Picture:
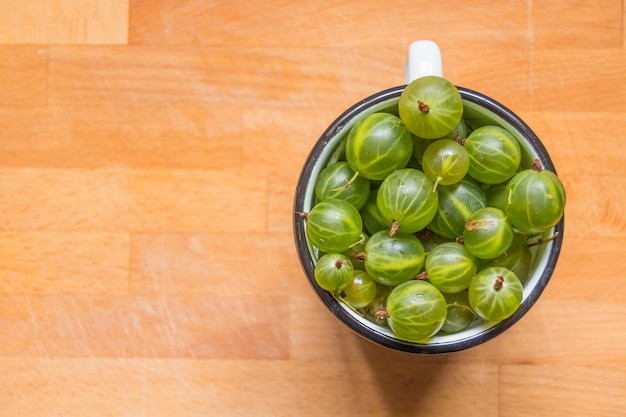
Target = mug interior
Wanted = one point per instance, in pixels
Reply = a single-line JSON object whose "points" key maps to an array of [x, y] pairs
{"points": [[478, 110]]}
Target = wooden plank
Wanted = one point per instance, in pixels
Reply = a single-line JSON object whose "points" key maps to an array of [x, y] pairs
{"points": [[116, 200], [556, 24], [565, 87], [294, 133], [565, 333], [323, 78], [87, 22], [350, 23], [23, 76], [594, 206], [41, 387], [555, 79], [562, 390], [64, 263], [216, 76], [281, 196], [564, 137], [589, 260], [219, 265], [90, 138], [114, 326]]}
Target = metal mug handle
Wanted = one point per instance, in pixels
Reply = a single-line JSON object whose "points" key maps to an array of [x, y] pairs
{"points": [[424, 58]]}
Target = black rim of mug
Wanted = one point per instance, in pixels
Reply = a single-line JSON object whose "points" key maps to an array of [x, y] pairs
{"points": [[335, 306]]}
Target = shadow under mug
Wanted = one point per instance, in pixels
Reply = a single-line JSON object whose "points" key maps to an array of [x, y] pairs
{"points": [[478, 110]]}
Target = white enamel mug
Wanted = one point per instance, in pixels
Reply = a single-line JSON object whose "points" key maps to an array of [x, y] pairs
{"points": [[424, 58]]}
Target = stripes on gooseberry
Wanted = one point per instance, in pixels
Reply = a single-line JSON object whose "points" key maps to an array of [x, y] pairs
{"points": [[337, 181], [517, 258], [450, 267], [391, 260], [333, 272], [333, 225], [416, 310], [378, 145], [495, 293], [494, 154], [487, 234], [430, 107], [535, 200], [407, 201], [456, 204]]}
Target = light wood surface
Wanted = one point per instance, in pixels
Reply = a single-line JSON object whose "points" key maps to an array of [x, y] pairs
{"points": [[149, 152]]}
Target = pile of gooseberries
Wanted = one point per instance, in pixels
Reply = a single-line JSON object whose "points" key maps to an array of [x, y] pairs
{"points": [[425, 222]]}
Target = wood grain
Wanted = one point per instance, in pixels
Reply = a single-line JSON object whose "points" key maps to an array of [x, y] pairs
{"points": [[562, 390], [138, 326], [117, 200], [83, 22], [23, 76], [103, 137], [216, 265], [198, 387], [213, 77], [64, 263], [149, 154], [378, 23]]}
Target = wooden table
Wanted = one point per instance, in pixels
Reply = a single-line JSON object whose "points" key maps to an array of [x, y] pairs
{"points": [[149, 152]]}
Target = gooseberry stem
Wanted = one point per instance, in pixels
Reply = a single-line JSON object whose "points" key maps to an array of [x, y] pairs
{"points": [[358, 242], [424, 108], [498, 284], [473, 224], [381, 314], [455, 304], [303, 215], [422, 276], [394, 228], [541, 241], [346, 185], [436, 184], [537, 166], [359, 256], [340, 296]]}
